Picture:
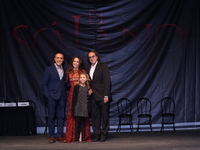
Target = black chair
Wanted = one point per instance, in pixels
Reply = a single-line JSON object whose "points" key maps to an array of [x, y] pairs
{"points": [[168, 112], [144, 112], [32, 104], [124, 107]]}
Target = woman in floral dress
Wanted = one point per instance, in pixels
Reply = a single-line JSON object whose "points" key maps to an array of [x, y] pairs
{"points": [[75, 68]]}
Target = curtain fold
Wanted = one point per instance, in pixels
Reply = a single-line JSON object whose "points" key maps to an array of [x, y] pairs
{"points": [[151, 48]]}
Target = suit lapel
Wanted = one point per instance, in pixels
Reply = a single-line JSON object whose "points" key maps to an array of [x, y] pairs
{"points": [[96, 69], [56, 72]]}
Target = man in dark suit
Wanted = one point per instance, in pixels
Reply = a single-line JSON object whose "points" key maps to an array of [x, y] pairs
{"points": [[53, 88], [100, 104]]}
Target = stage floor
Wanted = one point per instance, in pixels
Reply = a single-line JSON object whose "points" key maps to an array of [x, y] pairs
{"points": [[167, 140]]}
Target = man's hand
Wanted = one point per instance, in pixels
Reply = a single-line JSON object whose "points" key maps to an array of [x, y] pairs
{"points": [[105, 100], [90, 91]]}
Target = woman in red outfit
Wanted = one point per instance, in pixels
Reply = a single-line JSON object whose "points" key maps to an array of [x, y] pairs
{"points": [[72, 73]]}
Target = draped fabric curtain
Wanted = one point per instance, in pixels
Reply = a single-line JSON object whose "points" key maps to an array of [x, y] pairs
{"points": [[152, 49]]}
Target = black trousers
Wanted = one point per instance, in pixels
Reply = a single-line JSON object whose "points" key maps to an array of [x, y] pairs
{"points": [[100, 118], [79, 128]]}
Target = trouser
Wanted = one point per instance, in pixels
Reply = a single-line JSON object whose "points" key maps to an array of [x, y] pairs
{"points": [[79, 128], [100, 118], [55, 110]]}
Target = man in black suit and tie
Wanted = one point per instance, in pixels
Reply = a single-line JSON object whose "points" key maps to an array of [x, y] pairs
{"points": [[53, 88], [100, 104]]}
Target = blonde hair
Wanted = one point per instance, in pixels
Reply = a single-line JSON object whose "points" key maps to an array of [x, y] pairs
{"points": [[87, 83]]}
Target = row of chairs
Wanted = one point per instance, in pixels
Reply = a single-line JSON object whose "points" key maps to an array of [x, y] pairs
{"points": [[144, 116]]}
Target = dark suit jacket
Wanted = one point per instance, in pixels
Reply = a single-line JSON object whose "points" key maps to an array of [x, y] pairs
{"points": [[101, 82], [52, 86]]}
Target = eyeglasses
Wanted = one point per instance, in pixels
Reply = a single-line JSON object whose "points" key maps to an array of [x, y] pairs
{"points": [[92, 57]]}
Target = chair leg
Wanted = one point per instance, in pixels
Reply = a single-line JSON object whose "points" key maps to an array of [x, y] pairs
{"points": [[151, 128], [138, 125], [162, 125], [174, 125], [131, 127], [45, 130], [46, 126], [137, 128], [150, 125], [119, 126]]}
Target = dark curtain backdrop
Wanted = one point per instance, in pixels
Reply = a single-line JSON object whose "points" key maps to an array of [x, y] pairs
{"points": [[152, 48]]}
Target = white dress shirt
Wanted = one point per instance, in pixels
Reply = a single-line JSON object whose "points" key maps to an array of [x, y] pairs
{"points": [[60, 71], [92, 69]]}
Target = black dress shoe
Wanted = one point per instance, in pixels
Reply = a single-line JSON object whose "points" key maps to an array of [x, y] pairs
{"points": [[96, 139], [103, 139], [83, 140]]}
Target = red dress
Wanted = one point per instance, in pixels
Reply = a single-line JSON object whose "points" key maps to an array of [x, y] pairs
{"points": [[70, 120]]}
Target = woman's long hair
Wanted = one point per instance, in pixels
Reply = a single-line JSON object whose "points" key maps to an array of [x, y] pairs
{"points": [[70, 70]]}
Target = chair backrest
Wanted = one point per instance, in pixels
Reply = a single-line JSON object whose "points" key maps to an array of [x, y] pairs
{"points": [[32, 104], [124, 106], [167, 105], [144, 106]]}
